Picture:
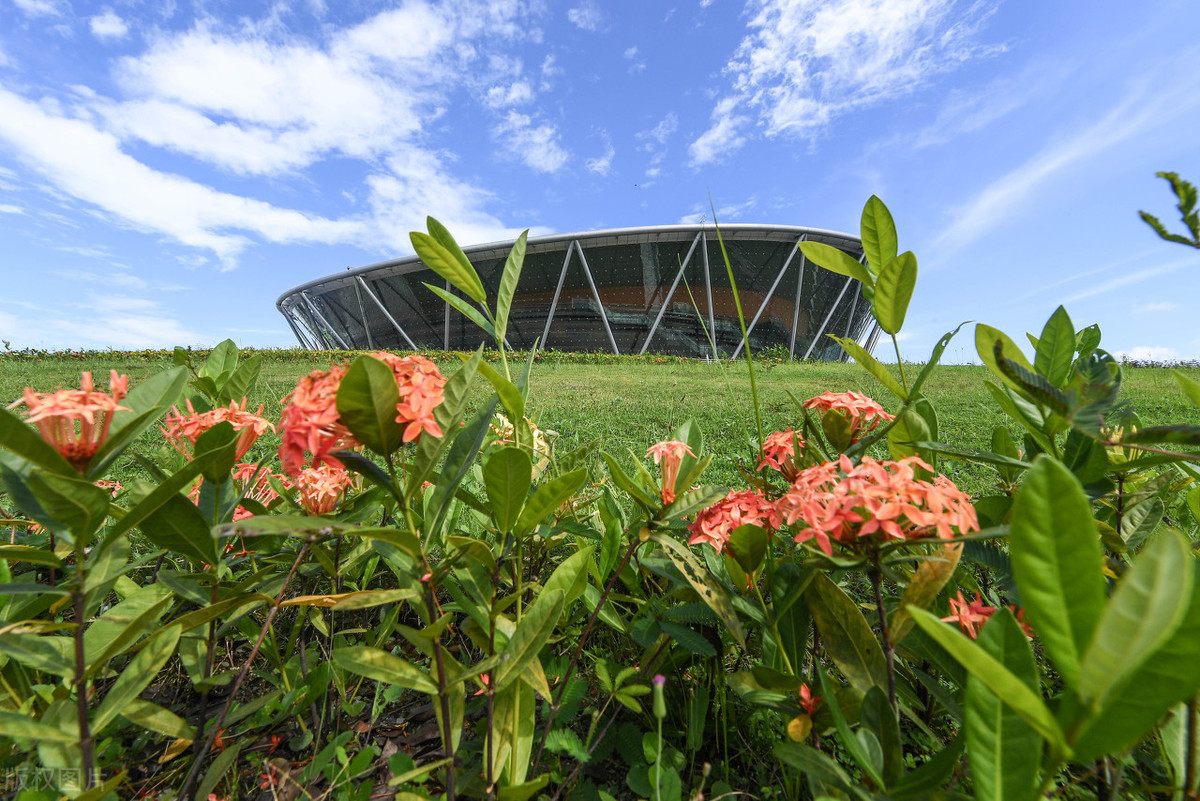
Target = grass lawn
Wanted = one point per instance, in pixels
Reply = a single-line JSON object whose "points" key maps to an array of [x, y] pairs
{"points": [[630, 403]]}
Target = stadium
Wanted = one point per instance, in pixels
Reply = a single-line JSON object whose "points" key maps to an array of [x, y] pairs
{"points": [[661, 289]]}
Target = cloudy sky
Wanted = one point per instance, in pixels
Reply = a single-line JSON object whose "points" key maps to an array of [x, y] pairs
{"points": [[168, 169]]}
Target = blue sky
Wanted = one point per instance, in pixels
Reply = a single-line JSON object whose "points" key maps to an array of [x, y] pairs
{"points": [[168, 169]]}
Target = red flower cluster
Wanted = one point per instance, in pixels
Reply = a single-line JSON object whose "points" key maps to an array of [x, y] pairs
{"points": [[863, 413], [971, 615], [56, 413], [738, 508], [780, 451], [182, 430], [321, 488], [310, 421], [848, 502]]}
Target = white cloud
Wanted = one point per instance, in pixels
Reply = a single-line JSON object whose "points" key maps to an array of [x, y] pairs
{"points": [[725, 214], [1148, 353], [550, 71], [112, 279], [38, 8], [723, 137], [8, 208], [1130, 278], [89, 165], [586, 16], [535, 145], [602, 164], [1007, 195], [108, 25], [806, 62], [514, 94], [662, 132], [1155, 308]]}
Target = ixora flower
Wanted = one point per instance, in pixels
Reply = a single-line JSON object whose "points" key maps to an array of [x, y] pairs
{"points": [[669, 453], [252, 482], [875, 501], [321, 488], [863, 413], [971, 615], [780, 452], [738, 508], [182, 430], [56, 415], [420, 385]]}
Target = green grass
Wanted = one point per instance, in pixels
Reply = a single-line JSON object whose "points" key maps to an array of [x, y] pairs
{"points": [[628, 403]]}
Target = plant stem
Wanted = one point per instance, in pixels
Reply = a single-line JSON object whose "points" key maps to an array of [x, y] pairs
{"points": [[562, 687], [86, 747], [889, 650], [899, 363], [1189, 769], [189, 784]]}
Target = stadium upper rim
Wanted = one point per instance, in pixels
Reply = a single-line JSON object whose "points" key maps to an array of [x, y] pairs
{"points": [[297, 304]]}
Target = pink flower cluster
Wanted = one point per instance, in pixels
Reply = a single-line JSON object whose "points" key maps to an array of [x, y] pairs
{"points": [[781, 451], [182, 430], [738, 508], [863, 413], [881, 499], [56, 414], [971, 615], [670, 454], [321, 488]]}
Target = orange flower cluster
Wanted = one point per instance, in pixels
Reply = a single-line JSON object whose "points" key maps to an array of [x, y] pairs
{"points": [[971, 615], [56, 413], [669, 453], [321, 488], [254, 483], [310, 421], [738, 508], [863, 413], [780, 452], [848, 503], [182, 430]]}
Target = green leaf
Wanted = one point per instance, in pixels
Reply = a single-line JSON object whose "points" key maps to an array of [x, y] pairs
{"points": [[510, 396], [930, 577], [219, 443], [47, 654], [571, 575], [441, 254], [69, 504], [159, 391], [701, 580], [929, 779], [24, 441], [535, 628], [31, 555], [1057, 562], [17, 725], [242, 382], [893, 291], [852, 743], [996, 677], [461, 456], [548, 497], [878, 234], [136, 677], [1190, 388], [448, 414], [222, 360], [877, 716], [506, 475], [910, 429], [1056, 348], [748, 544], [508, 285], [179, 526], [366, 402], [152, 717], [986, 338], [622, 480], [1003, 749], [380, 665], [465, 309], [846, 635], [1169, 676], [872, 365], [836, 261], [1145, 610]]}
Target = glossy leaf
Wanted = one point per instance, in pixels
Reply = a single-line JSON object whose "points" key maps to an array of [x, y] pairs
{"points": [[441, 254], [845, 634], [464, 308], [14, 725], [986, 338], [159, 391], [1003, 749], [1145, 610], [219, 445], [152, 717], [1057, 562], [178, 526], [24, 440], [701, 579], [1190, 388], [871, 365], [508, 284], [878, 234], [461, 456], [367, 397], [571, 575], [506, 476], [535, 628], [996, 677], [448, 414], [136, 677], [877, 716], [748, 545], [893, 291], [69, 504], [380, 665], [548, 497], [510, 396], [836, 261], [1056, 348], [852, 743]]}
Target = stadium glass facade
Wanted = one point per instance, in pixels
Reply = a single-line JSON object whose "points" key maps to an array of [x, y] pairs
{"points": [[631, 290]]}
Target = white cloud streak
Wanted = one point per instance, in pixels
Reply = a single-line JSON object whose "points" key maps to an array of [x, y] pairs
{"points": [[108, 25]]}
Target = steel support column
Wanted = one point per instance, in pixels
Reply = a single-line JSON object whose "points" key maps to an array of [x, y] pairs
{"points": [[596, 294], [832, 309], [671, 293], [562, 277], [770, 293], [332, 331], [363, 311], [387, 314], [796, 309]]}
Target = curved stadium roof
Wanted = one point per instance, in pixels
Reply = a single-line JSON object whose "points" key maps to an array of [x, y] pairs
{"points": [[656, 289]]}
